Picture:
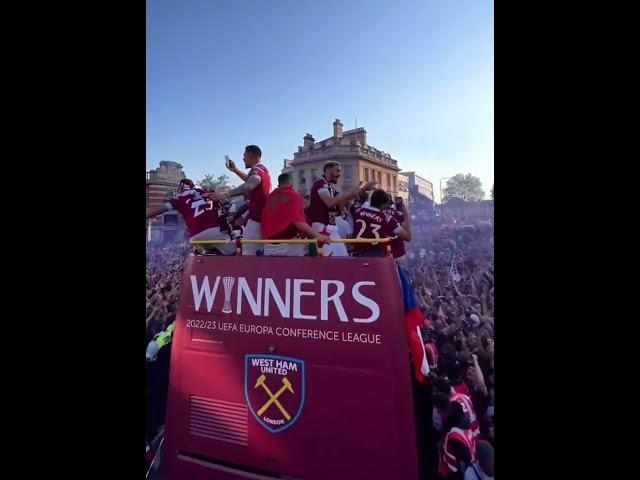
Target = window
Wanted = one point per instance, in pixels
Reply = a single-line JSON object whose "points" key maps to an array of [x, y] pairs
{"points": [[388, 180], [380, 178], [347, 172], [302, 181], [366, 174], [314, 174], [171, 220], [394, 183]]}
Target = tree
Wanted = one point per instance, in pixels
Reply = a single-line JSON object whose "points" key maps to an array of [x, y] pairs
{"points": [[492, 191], [213, 183], [465, 187]]}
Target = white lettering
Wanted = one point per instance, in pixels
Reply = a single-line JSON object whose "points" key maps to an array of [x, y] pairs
{"points": [[283, 364], [297, 293], [254, 302], [273, 422], [210, 294], [335, 298], [365, 301], [274, 370], [257, 329], [270, 290], [258, 297], [361, 338], [371, 215], [227, 327]]}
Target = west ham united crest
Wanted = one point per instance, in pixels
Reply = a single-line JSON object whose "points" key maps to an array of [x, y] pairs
{"points": [[274, 389]]}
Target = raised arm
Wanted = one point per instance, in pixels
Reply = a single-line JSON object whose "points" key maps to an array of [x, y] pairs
{"points": [[330, 201], [245, 189], [232, 167], [155, 211]]}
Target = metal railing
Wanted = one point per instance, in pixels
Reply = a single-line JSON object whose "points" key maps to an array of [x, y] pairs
{"points": [[320, 245]]}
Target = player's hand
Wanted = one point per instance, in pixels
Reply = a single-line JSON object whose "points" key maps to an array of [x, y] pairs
{"points": [[322, 238], [231, 165]]}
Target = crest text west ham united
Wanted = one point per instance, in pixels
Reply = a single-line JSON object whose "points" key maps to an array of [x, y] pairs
{"points": [[274, 390]]}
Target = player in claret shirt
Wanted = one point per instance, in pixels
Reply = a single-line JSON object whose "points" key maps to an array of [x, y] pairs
{"points": [[373, 222], [256, 187], [203, 217], [325, 204], [401, 214]]}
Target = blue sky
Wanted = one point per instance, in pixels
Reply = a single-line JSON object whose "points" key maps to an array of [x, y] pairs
{"points": [[222, 74]]}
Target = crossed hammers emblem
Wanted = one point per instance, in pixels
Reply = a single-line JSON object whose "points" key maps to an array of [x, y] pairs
{"points": [[274, 398]]}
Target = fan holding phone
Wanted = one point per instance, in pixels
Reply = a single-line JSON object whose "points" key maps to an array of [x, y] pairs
{"points": [[401, 214]]}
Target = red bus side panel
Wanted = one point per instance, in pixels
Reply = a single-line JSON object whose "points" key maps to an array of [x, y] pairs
{"points": [[290, 366]]}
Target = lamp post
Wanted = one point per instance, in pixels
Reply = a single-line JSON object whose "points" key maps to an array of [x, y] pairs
{"points": [[445, 178]]}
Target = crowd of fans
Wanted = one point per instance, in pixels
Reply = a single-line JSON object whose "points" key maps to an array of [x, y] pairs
{"points": [[457, 301], [164, 274]]}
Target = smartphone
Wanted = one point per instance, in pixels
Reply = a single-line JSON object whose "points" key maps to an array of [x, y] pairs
{"points": [[398, 203], [227, 160]]}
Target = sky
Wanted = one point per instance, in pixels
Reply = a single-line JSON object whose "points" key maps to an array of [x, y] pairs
{"points": [[417, 74]]}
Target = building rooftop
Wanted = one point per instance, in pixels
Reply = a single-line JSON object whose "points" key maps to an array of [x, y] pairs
{"points": [[416, 175], [168, 172], [348, 144]]}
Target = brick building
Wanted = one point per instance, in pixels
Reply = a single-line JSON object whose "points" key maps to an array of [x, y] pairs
{"points": [[163, 183]]}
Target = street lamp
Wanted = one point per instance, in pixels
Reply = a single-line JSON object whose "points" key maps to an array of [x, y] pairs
{"points": [[445, 178]]}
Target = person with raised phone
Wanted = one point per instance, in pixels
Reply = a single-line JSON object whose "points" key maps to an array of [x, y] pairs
{"points": [[256, 186], [400, 212]]}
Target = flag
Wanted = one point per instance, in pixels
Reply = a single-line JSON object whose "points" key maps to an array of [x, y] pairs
{"points": [[413, 320], [453, 270]]}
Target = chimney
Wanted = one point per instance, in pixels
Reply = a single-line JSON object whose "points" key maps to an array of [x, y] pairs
{"points": [[308, 140], [337, 129]]}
